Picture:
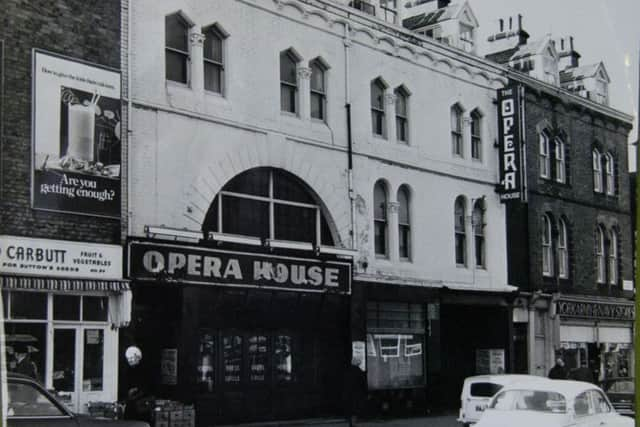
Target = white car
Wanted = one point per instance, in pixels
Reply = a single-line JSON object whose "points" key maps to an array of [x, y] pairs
{"points": [[551, 403], [478, 390]]}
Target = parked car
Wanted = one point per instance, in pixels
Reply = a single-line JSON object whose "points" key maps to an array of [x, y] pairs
{"points": [[30, 405], [621, 393], [552, 403], [478, 390]]}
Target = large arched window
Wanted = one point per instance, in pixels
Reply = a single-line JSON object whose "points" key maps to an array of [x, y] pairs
{"points": [[601, 275], [380, 218], [404, 224], [609, 170], [597, 171], [377, 108], [613, 257], [478, 233], [563, 250], [547, 247], [460, 234], [269, 204]]}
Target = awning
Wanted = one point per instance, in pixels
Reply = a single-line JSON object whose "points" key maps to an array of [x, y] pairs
{"points": [[59, 284]]}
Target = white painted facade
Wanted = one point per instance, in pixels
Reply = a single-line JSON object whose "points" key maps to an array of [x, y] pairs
{"points": [[186, 143]]}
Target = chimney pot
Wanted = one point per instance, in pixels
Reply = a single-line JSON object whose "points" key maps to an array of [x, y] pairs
{"points": [[501, 25], [510, 23], [519, 22]]}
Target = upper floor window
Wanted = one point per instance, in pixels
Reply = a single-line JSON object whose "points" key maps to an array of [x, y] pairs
{"points": [[600, 256], [597, 171], [478, 233], [547, 247], [613, 257], [563, 250], [318, 90], [561, 167], [460, 232], [456, 131], [176, 48], [544, 156], [269, 203], [380, 218], [288, 82], [213, 59], [402, 118], [476, 139], [609, 169], [377, 108], [404, 225]]}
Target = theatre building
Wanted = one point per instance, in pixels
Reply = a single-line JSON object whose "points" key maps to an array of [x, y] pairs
{"points": [[575, 269], [290, 210], [61, 269]]}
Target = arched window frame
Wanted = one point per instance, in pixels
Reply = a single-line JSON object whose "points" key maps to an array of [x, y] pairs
{"points": [[460, 232], [402, 114], [214, 58], [560, 160], [601, 275], [404, 223], [378, 112], [457, 141], [544, 155], [318, 89], [380, 219], [289, 85], [597, 171], [609, 170], [476, 135], [563, 250], [547, 246], [613, 257], [177, 49], [478, 222]]}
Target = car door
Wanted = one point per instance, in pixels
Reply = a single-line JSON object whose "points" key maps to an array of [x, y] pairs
{"points": [[604, 413], [29, 406]]}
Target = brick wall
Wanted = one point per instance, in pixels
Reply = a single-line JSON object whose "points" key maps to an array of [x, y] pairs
{"points": [[85, 29], [575, 201]]}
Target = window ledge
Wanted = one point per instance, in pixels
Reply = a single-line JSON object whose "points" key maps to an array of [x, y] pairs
{"points": [[461, 266], [289, 115], [173, 84]]}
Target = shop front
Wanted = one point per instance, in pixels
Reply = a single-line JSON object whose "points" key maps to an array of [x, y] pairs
{"points": [[63, 303], [597, 334], [245, 333]]}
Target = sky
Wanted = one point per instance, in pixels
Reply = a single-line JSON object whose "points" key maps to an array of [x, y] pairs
{"points": [[602, 30]]}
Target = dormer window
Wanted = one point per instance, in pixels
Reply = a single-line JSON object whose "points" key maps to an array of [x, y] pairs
{"points": [[466, 37], [602, 90]]}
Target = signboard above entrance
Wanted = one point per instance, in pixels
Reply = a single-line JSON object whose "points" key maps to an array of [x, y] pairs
{"points": [[512, 184], [151, 261]]}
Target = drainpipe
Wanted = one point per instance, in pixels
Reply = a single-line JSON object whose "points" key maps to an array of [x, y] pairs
{"points": [[347, 94], [128, 131]]}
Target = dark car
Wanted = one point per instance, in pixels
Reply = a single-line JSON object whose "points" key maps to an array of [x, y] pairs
{"points": [[30, 405], [621, 393]]}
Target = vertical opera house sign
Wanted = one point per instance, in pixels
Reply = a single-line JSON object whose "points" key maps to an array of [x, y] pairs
{"points": [[197, 265], [512, 185]]}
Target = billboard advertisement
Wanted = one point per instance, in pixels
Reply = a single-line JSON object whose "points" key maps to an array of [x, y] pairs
{"points": [[511, 141], [76, 115]]}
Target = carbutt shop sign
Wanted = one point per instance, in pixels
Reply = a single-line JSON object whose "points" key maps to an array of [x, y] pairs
{"points": [[59, 258], [511, 141], [199, 265]]}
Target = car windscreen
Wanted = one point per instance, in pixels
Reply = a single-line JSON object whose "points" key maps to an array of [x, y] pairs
{"points": [[484, 389], [530, 400]]}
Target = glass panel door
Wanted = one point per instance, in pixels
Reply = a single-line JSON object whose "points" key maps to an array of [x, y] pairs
{"points": [[65, 366], [93, 360]]}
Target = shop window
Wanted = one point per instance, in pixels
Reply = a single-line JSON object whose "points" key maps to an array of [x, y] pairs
{"points": [[380, 218], [288, 82], [404, 225], [232, 359], [395, 345], [206, 375], [28, 305], [318, 90], [283, 358], [460, 232], [64, 359], [269, 204], [402, 115], [26, 345], [93, 365], [214, 42], [258, 354], [66, 307], [377, 108], [95, 309], [176, 48], [456, 131]]}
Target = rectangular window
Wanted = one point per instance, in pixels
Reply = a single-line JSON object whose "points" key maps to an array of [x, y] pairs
{"points": [[560, 162], [28, 305], [206, 368], [283, 358], [176, 48], [380, 237], [402, 122], [288, 83], [93, 366], [476, 140], [404, 234], [456, 131], [232, 359], [318, 91], [213, 60], [544, 157]]}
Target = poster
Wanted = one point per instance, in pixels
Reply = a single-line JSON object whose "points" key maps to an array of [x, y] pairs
{"points": [[490, 361], [169, 366], [76, 113], [358, 355]]}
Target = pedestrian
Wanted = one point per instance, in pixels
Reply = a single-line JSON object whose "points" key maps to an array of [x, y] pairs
{"points": [[23, 364], [354, 390], [136, 399], [558, 372], [583, 373]]}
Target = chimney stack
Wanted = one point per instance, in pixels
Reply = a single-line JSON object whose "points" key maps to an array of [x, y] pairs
{"points": [[510, 35], [568, 56]]}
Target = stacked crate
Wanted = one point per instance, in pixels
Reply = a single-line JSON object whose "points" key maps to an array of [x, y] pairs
{"points": [[169, 413]]}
